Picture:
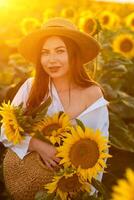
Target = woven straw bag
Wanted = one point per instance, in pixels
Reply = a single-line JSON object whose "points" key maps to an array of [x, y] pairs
{"points": [[23, 178]]}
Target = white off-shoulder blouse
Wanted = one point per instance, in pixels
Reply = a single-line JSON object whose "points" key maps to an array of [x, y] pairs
{"points": [[95, 116]]}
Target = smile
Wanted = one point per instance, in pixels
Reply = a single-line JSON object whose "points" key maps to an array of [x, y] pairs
{"points": [[54, 69]]}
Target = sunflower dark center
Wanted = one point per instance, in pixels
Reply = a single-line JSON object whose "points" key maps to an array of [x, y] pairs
{"points": [[84, 153], [132, 22], [126, 45], [12, 128], [89, 26], [69, 13], [70, 184], [48, 129], [105, 19]]}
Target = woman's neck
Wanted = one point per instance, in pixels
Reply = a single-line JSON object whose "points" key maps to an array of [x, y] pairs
{"points": [[63, 84]]}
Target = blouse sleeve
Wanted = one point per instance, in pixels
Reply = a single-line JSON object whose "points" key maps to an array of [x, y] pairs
{"points": [[21, 96], [103, 126], [103, 123]]}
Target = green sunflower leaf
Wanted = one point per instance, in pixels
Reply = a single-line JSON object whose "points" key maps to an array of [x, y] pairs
{"points": [[80, 123], [100, 187], [41, 108]]}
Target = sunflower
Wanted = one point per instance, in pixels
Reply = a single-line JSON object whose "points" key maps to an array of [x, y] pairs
{"points": [[85, 150], [124, 44], [89, 25], [12, 42], [69, 13], [48, 13], [129, 21], [125, 188], [29, 24], [65, 184], [53, 128], [109, 20], [13, 131]]}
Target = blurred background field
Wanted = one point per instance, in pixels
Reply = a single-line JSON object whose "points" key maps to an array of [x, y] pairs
{"points": [[112, 24]]}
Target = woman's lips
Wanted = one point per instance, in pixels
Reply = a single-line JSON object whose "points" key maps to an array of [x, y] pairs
{"points": [[54, 69]]}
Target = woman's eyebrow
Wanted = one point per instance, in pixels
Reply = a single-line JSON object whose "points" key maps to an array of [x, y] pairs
{"points": [[55, 48], [60, 47]]}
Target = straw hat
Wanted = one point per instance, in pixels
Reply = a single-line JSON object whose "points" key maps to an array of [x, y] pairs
{"points": [[29, 45]]}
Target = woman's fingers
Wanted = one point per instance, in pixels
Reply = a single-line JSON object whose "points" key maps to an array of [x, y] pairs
{"points": [[48, 165], [57, 159], [52, 162]]}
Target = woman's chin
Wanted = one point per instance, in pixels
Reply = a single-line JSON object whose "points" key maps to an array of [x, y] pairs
{"points": [[56, 75]]}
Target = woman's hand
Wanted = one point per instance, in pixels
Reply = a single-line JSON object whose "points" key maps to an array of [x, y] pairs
{"points": [[46, 151]]}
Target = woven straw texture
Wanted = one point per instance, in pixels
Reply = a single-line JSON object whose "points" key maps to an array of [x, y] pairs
{"points": [[23, 178]]}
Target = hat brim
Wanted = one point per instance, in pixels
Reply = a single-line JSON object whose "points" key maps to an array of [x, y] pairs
{"points": [[29, 45]]}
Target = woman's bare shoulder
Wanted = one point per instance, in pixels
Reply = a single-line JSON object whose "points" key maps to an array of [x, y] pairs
{"points": [[93, 93]]}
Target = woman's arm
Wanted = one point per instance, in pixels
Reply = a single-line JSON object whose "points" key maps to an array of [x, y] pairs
{"points": [[29, 144]]}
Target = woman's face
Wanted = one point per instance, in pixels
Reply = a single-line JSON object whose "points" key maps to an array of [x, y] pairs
{"points": [[54, 57]]}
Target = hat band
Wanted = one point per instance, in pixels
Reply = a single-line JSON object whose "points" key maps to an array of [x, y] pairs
{"points": [[55, 26]]}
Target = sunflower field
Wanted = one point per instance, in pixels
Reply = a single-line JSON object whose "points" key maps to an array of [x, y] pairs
{"points": [[112, 24]]}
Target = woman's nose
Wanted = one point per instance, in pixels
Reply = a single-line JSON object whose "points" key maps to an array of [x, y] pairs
{"points": [[52, 58]]}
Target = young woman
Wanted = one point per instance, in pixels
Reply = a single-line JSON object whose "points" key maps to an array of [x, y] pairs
{"points": [[59, 51]]}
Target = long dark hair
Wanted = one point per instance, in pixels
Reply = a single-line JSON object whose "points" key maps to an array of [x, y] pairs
{"points": [[40, 84]]}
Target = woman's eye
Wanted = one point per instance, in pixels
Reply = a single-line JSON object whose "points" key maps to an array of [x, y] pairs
{"points": [[44, 53], [60, 51]]}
